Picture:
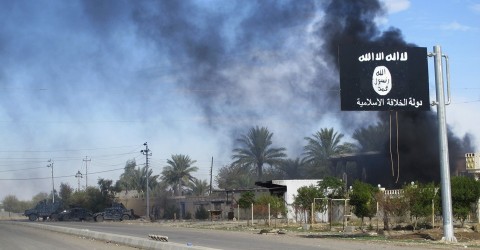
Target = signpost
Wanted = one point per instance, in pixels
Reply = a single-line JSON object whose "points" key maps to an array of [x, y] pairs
{"points": [[448, 235], [396, 79]]}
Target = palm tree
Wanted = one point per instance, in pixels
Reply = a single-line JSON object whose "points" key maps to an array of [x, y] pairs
{"points": [[178, 172], [323, 145], [136, 178], [372, 138], [291, 168], [141, 179], [235, 176], [199, 187], [256, 149]]}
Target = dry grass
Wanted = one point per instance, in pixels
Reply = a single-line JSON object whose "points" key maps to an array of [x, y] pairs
{"points": [[11, 216]]}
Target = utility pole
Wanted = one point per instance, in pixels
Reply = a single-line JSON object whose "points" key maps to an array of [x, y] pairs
{"points": [[211, 170], [78, 176], [448, 233], [86, 160], [147, 153], [53, 184]]}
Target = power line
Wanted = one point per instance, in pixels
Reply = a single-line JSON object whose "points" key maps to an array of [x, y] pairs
{"points": [[14, 170], [56, 177], [28, 161], [466, 102], [105, 171], [64, 150]]}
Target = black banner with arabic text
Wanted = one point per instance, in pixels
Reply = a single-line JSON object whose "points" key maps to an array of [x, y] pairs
{"points": [[383, 78]]}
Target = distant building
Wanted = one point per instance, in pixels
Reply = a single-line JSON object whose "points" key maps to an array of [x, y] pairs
{"points": [[223, 203], [376, 168], [186, 206], [288, 189]]}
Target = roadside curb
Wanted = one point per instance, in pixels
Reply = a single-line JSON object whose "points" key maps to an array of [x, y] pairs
{"points": [[114, 238]]}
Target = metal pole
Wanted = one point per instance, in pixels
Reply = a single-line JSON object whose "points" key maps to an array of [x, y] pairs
{"points": [[478, 202], [344, 211], [252, 214], [433, 213], [86, 160], [53, 183], [311, 212], [148, 189], [268, 214], [211, 170], [442, 136], [146, 153], [78, 176]]}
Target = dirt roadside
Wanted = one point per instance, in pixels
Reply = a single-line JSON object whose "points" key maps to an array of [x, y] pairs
{"points": [[426, 238]]}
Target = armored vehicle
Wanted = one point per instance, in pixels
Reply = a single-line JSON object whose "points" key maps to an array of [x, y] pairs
{"points": [[116, 212], [45, 209], [75, 214]]}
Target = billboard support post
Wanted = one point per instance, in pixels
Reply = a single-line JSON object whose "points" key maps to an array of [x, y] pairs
{"points": [[448, 235]]}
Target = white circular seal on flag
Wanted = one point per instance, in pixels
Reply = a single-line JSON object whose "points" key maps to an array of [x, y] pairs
{"points": [[382, 80]]}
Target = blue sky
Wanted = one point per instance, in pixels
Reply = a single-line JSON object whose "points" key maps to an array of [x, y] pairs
{"points": [[454, 25], [95, 79]]}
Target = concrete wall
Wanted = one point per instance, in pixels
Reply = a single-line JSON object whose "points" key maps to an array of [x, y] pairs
{"points": [[289, 196], [191, 204]]}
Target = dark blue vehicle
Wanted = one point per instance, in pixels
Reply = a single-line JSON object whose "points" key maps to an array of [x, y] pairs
{"points": [[45, 209], [116, 212], [76, 214]]}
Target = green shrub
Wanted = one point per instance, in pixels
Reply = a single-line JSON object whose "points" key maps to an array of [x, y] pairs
{"points": [[201, 213], [170, 212]]}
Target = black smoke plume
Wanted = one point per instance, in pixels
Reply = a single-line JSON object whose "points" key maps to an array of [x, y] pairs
{"points": [[352, 22], [275, 62]]}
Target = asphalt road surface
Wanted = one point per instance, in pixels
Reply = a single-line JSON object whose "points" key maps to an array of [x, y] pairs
{"points": [[221, 239], [26, 238]]}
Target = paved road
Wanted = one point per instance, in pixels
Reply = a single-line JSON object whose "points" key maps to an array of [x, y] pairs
{"points": [[233, 240], [24, 237]]}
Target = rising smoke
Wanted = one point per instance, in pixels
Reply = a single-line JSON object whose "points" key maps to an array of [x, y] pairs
{"points": [[241, 63], [273, 61], [352, 22], [259, 63]]}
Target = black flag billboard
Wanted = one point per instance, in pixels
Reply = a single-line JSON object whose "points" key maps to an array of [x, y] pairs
{"points": [[383, 78]]}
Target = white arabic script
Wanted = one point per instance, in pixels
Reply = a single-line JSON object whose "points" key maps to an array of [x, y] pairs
{"points": [[382, 80], [391, 102], [395, 56]]}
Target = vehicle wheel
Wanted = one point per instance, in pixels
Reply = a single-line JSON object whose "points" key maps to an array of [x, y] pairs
{"points": [[32, 217], [99, 218], [125, 217]]}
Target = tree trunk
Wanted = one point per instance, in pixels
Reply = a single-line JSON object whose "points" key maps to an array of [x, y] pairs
{"points": [[260, 171], [177, 189], [386, 226]]}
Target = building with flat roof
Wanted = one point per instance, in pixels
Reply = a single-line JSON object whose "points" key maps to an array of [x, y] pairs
{"points": [[288, 189]]}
